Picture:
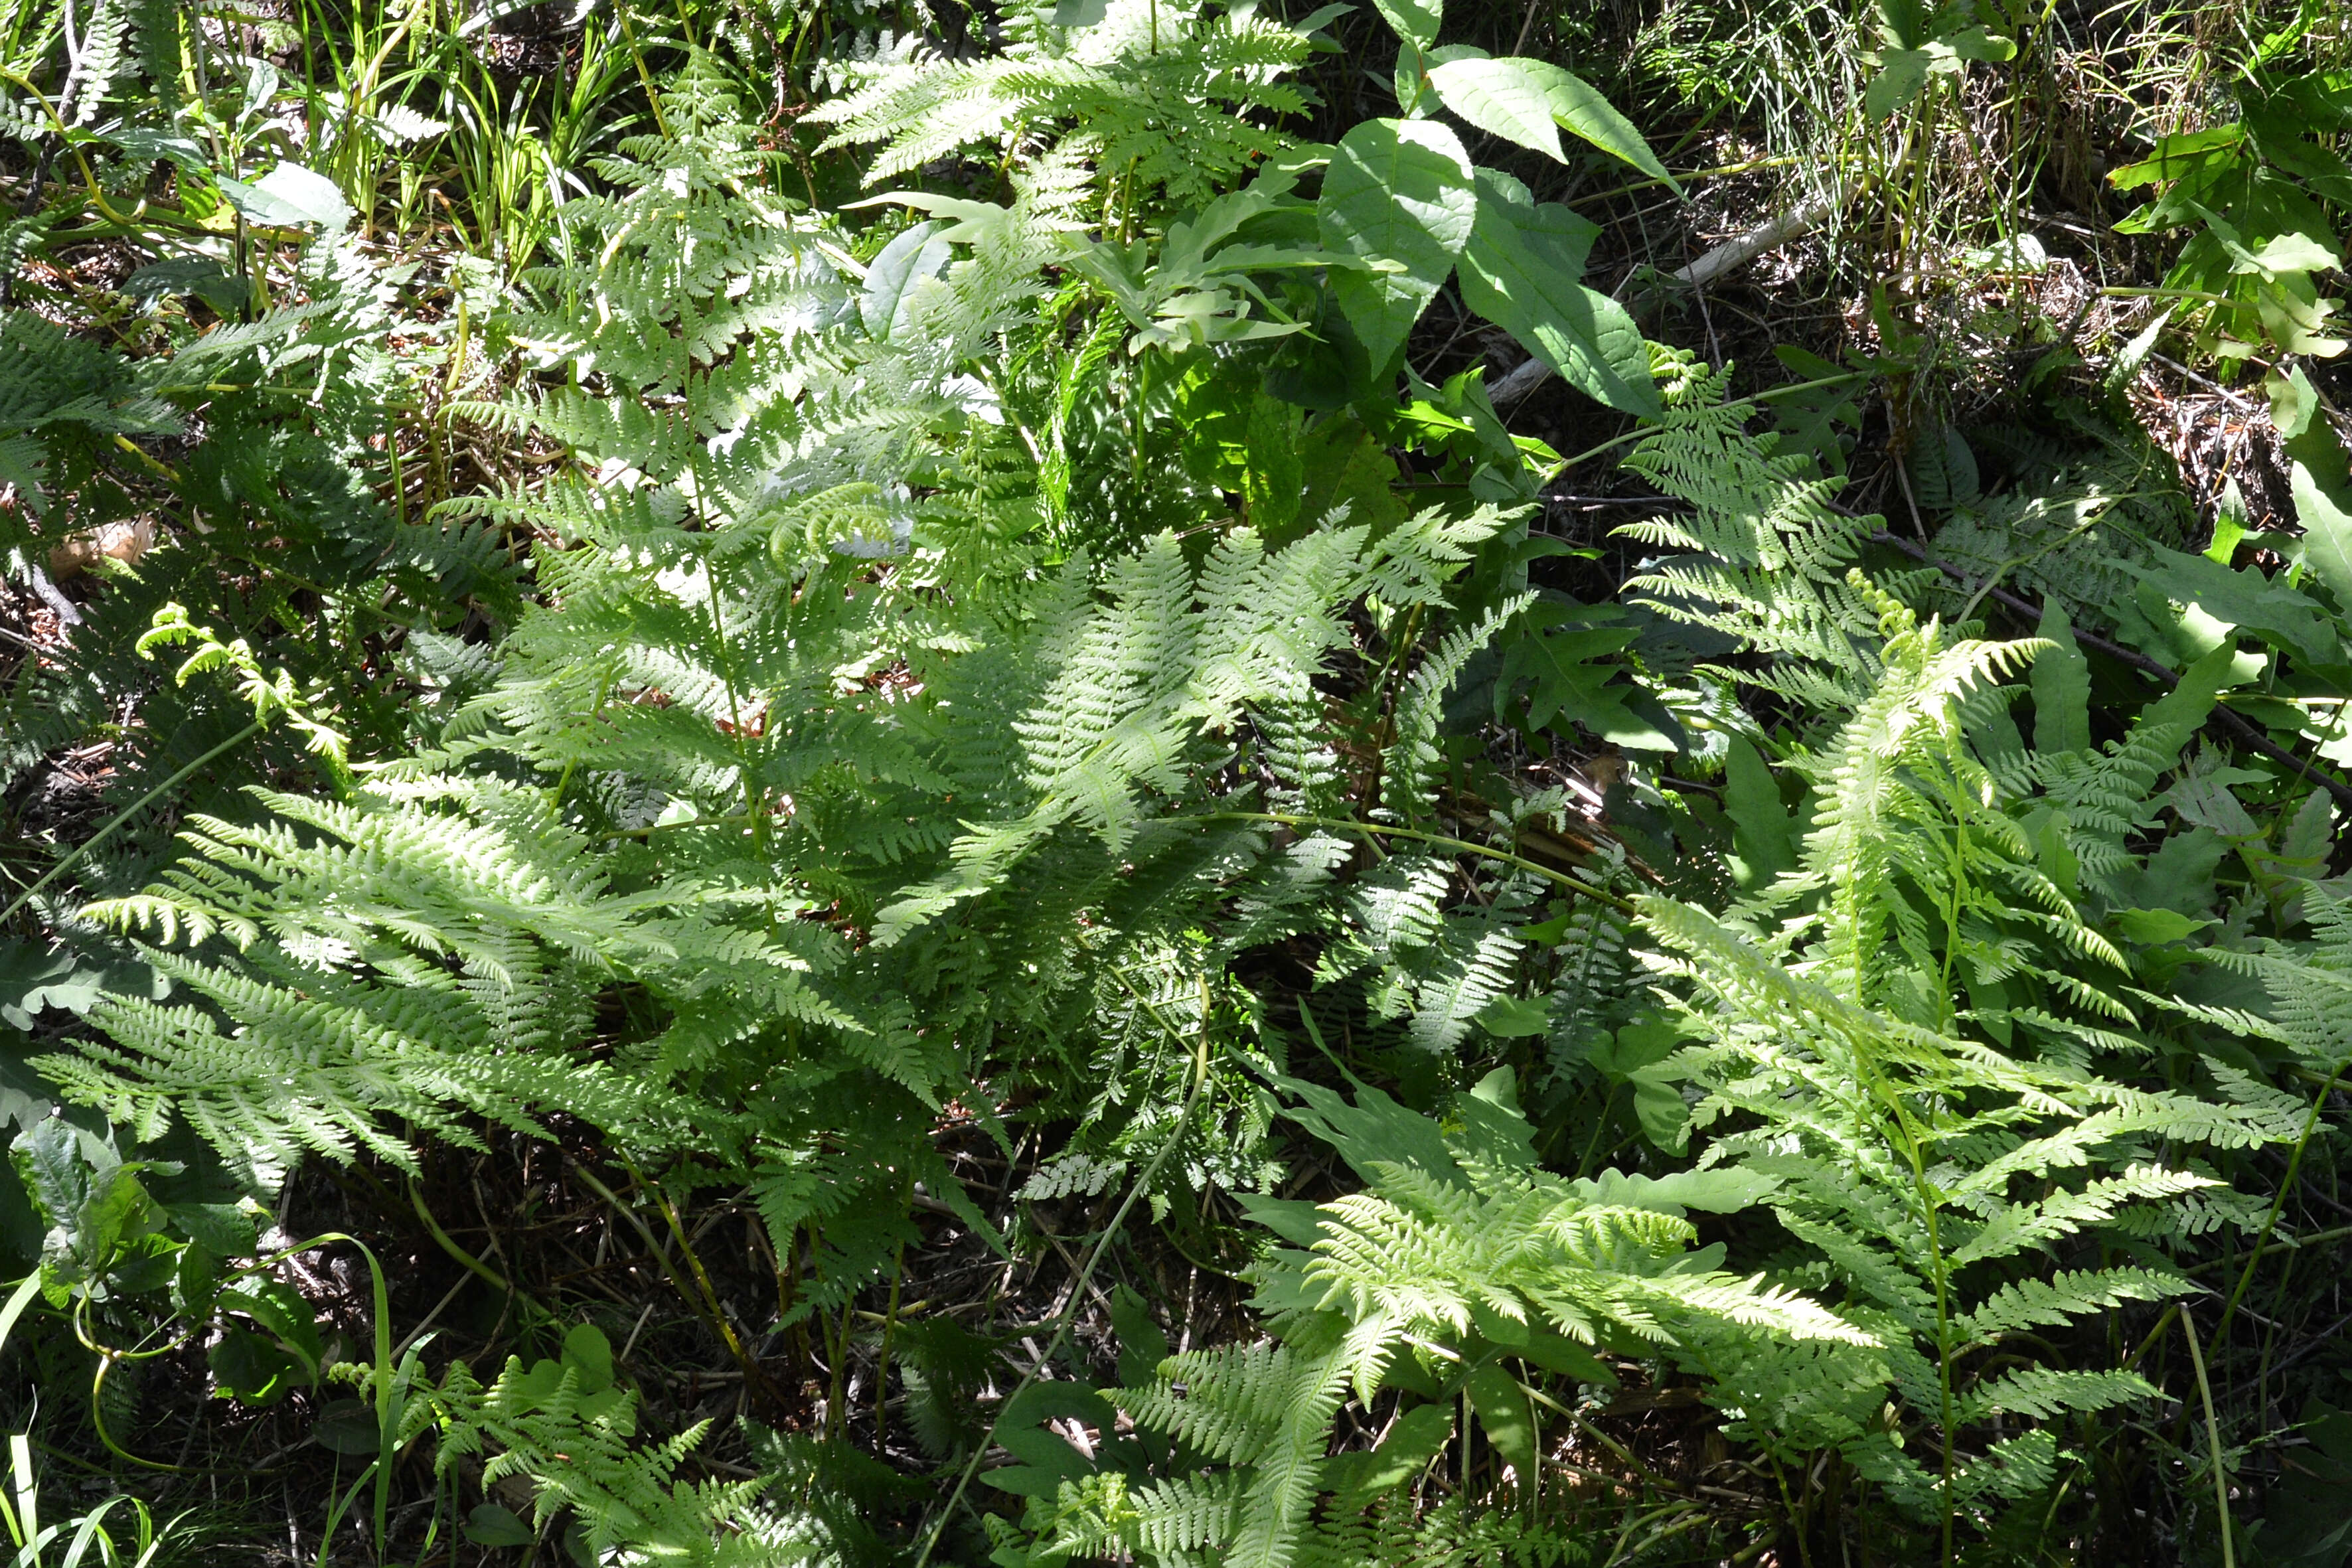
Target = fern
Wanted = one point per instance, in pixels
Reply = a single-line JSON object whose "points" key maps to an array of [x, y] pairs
{"points": [[1459, 1258], [1935, 1175], [1155, 99], [565, 1431], [1762, 557]]}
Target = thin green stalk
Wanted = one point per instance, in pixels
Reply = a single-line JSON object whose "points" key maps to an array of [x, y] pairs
{"points": [[472, 1264], [704, 1299], [76, 854], [1093, 1259], [1766, 396], [2213, 1439], [1459, 846], [2278, 1201]]}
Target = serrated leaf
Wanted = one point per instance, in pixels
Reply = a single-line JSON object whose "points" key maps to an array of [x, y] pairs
{"points": [[1519, 270], [1399, 195], [2327, 520], [1554, 654], [1503, 97], [2294, 253], [1579, 106]]}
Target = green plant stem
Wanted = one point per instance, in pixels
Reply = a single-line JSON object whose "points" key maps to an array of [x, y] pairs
{"points": [[472, 1264], [2278, 1200], [703, 1301], [2213, 1439], [1093, 1259], [1766, 396], [75, 856], [2277, 1244], [1436, 840]]}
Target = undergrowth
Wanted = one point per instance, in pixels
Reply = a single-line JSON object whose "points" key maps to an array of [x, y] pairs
{"points": [[859, 786]]}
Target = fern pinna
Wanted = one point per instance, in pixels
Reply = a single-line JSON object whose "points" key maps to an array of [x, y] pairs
{"points": [[1462, 1274], [1956, 1190]]}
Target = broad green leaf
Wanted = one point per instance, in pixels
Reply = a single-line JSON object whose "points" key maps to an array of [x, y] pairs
{"points": [[2294, 316], [349, 1427], [2062, 688], [1519, 271], [2179, 155], [1415, 21], [1901, 74], [246, 1367], [1568, 670], [589, 1353], [117, 1210], [2202, 685], [278, 1306], [1411, 1441], [51, 1160], [2293, 400], [2154, 927], [1515, 1017], [288, 195], [2124, 369], [1502, 1406], [1399, 196], [225, 1229], [493, 1524], [1980, 44], [1722, 1190], [1579, 106], [1661, 1109], [1273, 479], [1503, 97], [1558, 1352], [916, 254], [1902, 23], [1415, 96], [2327, 520], [1635, 1046], [1143, 1345], [202, 276], [2248, 600], [2294, 253], [1763, 833]]}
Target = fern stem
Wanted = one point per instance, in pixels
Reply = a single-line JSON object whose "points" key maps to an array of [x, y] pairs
{"points": [[1102, 1247], [2278, 1200], [472, 1264], [74, 857], [882, 1354], [1460, 845], [703, 1302], [2212, 1436], [1641, 432]]}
